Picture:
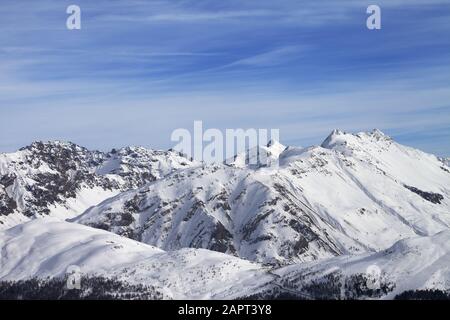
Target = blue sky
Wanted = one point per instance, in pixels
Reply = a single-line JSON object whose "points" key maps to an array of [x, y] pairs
{"points": [[140, 69]]}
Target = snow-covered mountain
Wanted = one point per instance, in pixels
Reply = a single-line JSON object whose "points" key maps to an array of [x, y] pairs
{"points": [[310, 227], [354, 193], [63, 179], [50, 248]]}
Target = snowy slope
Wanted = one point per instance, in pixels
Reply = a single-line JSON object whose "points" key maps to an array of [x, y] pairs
{"points": [[47, 247], [225, 209], [354, 193], [63, 179], [416, 263]]}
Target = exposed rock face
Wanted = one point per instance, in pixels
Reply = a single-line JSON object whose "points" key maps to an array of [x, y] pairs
{"points": [[429, 196]]}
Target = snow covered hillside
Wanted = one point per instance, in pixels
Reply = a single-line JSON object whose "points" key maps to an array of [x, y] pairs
{"points": [[417, 263], [354, 193], [48, 247]]}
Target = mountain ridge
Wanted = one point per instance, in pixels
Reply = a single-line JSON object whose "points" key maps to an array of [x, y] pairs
{"points": [[321, 201], [318, 202], [63, 178]]}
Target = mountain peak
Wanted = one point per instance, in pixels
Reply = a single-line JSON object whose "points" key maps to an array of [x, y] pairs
{"points": [[275, 147], [377, 132], [337, 132], [338, 138], [51, 144], [330, 140], [374, 135], [273, 142]]}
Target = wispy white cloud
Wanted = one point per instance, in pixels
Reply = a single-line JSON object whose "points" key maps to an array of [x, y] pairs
{"points": [[270, 58], [186, 16], [139, 69]]}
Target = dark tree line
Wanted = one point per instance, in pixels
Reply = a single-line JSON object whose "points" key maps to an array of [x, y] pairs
{"points": [[423, 295], [92, 288]]}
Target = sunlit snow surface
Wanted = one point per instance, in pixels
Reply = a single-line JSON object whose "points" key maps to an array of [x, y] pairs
{"points": [[232, 230]]}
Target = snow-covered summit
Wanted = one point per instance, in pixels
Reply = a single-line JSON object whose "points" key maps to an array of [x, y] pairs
{"points": [[259, 156], [339, 139], [135, 166]]}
